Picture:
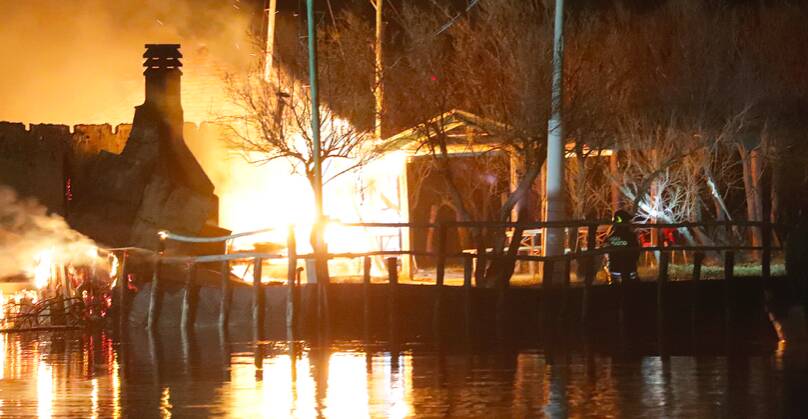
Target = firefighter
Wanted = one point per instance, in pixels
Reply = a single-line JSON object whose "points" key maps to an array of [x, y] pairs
{"points": [[797, 257], [623, 260]]}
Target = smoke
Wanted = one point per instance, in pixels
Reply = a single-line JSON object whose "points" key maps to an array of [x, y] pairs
{"points": [[80, 61], [27, 231]]}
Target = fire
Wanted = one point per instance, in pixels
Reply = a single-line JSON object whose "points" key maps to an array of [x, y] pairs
{"points": [[275, 198], [113, 269], [58, 272], [43, 268]]}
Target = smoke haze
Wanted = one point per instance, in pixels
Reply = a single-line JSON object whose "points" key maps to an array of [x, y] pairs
{"points": [[80, 61], [26, 230]]}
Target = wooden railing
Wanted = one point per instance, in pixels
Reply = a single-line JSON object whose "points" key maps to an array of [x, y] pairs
{"points": [[441, 255]]}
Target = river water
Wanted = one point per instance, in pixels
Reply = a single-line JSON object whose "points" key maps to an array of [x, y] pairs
{"points": [[78, 374]]}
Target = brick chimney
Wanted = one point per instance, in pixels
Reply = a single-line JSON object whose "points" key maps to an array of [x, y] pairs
{"points": [[163, 78]]}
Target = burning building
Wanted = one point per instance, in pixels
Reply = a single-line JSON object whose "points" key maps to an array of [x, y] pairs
{"points": [[118, 188]]}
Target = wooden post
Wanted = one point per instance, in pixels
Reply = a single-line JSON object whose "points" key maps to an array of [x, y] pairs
{"points": [[662, 280], [291, 279], [154, 298], [187, 297], [565, 287], [546, 288], [440, 271], [224, 304], [591, 270], [503, 281], [766, 255], [392, 284], [729, 273], [258, 300], [698, 259], [468, 267], [479, 273], [366, 265], [123, 292]]}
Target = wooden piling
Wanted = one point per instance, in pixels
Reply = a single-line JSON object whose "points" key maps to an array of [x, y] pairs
{"points": [[224, 303], [591, 270], [766, 254], [698, 260], [729, 286], [366, 265], [546, 288], [154, 298], [291, 280], [392, 287], [468, 267], [662, 281], [258, 300], [123, 292], [479, 272], [187, 299], [440, 272], [565, 284], [503, 282]]}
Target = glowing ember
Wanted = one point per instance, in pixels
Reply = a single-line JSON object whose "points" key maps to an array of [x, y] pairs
{"points": [[113, 270]]}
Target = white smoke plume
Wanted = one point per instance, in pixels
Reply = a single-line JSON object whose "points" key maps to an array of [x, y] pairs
{"points": [[27, 230]]}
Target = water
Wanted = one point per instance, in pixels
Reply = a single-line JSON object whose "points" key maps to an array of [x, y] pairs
{"points": [[91, 375]]}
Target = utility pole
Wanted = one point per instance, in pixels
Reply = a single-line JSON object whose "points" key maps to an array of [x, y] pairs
{"points": [[272, 5], [377, 87], [554, 192], [319, 222]]}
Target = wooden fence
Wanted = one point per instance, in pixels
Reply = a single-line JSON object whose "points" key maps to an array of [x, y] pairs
{"points": [[586, 256]]}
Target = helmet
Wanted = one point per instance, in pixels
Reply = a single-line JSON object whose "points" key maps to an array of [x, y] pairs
{"points": [[621, 216]]}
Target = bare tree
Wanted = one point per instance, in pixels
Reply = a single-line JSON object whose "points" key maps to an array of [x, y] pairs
{"points": [[272, 119]]}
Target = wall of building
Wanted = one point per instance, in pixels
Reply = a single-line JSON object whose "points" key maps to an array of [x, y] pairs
{"points": [[50, 163]]}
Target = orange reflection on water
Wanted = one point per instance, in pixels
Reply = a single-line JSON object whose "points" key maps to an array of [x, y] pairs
{"points": [[44, 390], [165, 403], [318, 383], [347, 395], [2, 358]]}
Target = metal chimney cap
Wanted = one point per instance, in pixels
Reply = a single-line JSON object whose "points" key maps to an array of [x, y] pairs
{"points": [[162, 51]]}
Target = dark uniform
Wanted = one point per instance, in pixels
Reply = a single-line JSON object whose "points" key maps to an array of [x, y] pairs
{"points": [[797, 260], [623, 263]]}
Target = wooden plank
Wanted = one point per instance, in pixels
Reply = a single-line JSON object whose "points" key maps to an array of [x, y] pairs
{"points": [[224, 302], [154, 298], [479, 273], [440, 271], [187, 299], [729, 286], [468, 267], [392, 284], [662, 281], [766, 254], [591, 270], [698, 260], [258, 300], [123, 293], [366, 266], [291, 280]]}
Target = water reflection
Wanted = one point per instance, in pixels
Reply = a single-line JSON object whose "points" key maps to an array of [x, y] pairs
{"points": [[75, 374]]}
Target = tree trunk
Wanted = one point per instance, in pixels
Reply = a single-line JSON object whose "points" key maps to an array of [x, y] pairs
{"points": [[750, 161]]}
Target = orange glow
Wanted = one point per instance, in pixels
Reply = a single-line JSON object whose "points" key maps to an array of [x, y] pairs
{"points": [[328, 385], [42, 269], [44, 389]]}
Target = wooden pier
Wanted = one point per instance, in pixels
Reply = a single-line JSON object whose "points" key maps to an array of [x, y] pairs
{"points": [[183, 292]]}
